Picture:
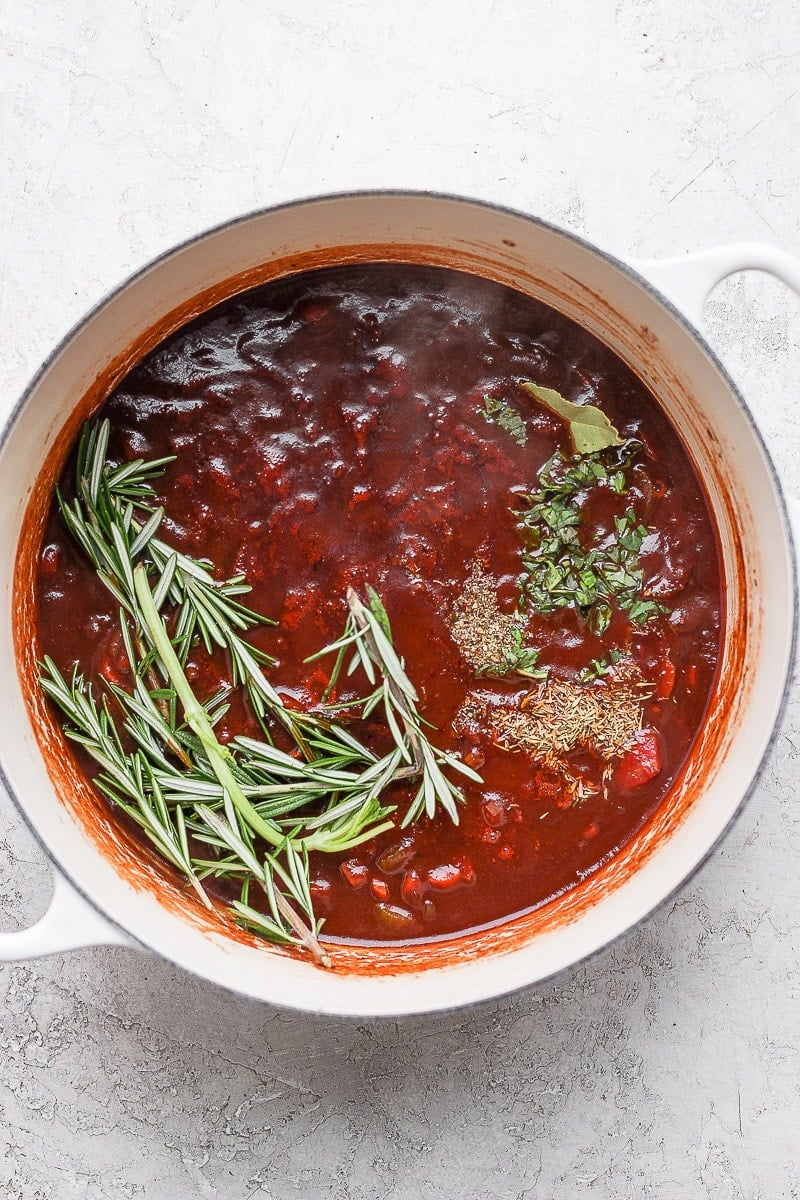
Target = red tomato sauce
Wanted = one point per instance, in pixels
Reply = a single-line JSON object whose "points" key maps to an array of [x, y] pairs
{"points": [[328, 432]]}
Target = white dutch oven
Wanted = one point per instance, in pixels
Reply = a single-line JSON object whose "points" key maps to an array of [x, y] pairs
{"points": [[648, 315]]}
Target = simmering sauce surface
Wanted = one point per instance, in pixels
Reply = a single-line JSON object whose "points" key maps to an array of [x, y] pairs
{"points": [[327, 430]]}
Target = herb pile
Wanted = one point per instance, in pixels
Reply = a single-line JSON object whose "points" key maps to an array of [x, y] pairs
{"points": [[563, 566], [560, 568], [563, 716], [491, 642], [249, 811]]}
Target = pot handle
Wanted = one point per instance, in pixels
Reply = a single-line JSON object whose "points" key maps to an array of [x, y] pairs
{"points": [[688, 279], [70, 923]]}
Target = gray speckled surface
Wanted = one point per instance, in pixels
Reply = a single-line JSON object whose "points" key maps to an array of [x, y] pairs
{"points": [[669, 1066]]}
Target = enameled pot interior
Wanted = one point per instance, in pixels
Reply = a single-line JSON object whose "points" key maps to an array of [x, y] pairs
{"points": [[142, 895]]}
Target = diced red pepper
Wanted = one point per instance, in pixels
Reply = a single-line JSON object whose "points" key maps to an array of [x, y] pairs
{"points": [[320, 889], [355, 872], [466, 870], [451, 875], [379, 888], [413, 887], [642, 762], [444, 877]]}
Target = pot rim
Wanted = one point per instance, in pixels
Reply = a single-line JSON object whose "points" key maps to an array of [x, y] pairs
{"points": [[485, 994]]}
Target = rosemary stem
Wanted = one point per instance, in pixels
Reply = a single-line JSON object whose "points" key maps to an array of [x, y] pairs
{"points": [[201, 892], [196, 716], [307, 938], [362, 624], [197, 719], [155, 683]]}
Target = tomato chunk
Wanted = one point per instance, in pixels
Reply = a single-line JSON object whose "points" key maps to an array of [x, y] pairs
{"points": [[666, 679], [642, 762], [51, 556]]}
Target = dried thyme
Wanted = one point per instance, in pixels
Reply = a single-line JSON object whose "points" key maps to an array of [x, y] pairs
{"points": [[491, 641], [562, 716]]}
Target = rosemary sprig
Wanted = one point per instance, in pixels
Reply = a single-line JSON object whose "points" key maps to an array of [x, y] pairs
{"points": [[168, 801], [368, 632], [126, 778]]}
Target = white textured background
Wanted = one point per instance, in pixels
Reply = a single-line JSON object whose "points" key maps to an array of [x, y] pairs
{"points": [[670, 1066]]}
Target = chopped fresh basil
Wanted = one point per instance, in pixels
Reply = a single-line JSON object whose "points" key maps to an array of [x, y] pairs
{"points": [[560, 569], [498, 412], [599, 667], [519, 660]]}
